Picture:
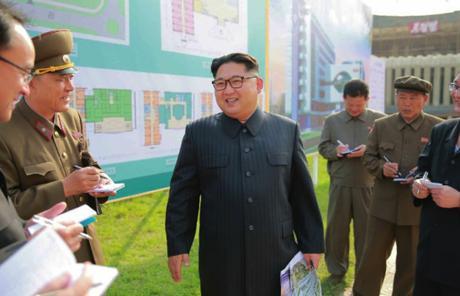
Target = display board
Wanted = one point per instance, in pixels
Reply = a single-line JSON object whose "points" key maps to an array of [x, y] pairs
{"points": [[144, 72], [144, 68]]}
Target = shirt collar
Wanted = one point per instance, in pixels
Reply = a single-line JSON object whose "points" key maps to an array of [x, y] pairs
{"points": [[233, 126], [42, 125], [361, 117], [415, 124]]}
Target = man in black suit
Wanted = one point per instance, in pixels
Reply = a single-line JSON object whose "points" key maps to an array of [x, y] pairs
{"points": [[438, 253], [250, 171]]}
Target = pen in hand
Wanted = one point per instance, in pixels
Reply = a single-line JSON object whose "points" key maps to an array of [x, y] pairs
{"points": [[48, 222], [387, 160], [425, 176], [102, 175]]}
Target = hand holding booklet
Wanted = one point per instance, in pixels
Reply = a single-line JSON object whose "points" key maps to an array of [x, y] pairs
{"points": [[431, 185], [110, 186], [41, 260], [412, 174], [427, 183], [83, 215], [298, 280], [348, 151]]}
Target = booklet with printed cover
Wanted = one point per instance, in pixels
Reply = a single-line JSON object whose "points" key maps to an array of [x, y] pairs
{"points": [[298, 280]]}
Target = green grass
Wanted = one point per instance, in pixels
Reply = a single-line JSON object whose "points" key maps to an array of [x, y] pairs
{"points": [[134, 241], [310, 135]]}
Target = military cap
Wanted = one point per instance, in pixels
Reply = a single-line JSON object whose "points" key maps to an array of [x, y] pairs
{"points": [[413, 83], [52, 51]]}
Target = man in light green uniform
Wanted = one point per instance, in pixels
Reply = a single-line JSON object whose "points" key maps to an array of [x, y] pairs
{"points": [[392, 152], [351, 185]]}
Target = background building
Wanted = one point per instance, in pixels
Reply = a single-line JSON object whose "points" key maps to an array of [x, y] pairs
{"points": [[426, 46]]}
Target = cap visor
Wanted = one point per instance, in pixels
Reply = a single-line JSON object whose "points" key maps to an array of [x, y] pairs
{"points": [[71, 70]]}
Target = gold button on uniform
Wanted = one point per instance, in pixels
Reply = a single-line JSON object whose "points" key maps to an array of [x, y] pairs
{"points": [[56, 134], [64, 155], [82, 198]]}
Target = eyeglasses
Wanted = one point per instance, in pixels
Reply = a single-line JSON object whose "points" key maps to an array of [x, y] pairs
{"points": [[235, 82], [26, 74], [453, 87]]}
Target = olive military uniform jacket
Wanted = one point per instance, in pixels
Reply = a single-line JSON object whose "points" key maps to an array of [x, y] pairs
{"points": [[36, 155], [254, 192], [402, 143], [438, 253], [341, 126]]}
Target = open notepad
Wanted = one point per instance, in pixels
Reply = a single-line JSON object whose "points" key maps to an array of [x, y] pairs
{"points": [[41, 260], [109, 187], [431, 185]]}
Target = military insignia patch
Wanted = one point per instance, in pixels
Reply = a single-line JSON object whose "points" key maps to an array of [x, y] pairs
{"points": [[43, 130], [77, 135], [370, 128]]}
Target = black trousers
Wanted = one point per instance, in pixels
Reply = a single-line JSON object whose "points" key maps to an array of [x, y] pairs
{"points": [[427, 287]]}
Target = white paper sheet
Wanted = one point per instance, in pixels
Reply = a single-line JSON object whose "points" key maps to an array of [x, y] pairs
{"points": [[41, 260], [101, 276], [431, 185], [78, 214]]}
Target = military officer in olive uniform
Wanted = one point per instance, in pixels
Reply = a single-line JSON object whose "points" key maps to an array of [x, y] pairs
{"points": [[392, 151], [351, 184], [44, 140]]}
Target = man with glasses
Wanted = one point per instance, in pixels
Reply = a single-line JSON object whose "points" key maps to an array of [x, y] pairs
{"points": [[438, 256], [454, 88], [16, 60], [245, 172], [26, 76], [44, 141]]}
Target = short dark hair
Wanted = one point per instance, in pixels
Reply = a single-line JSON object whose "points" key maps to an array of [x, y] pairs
{"points": [[356, 88], [249, 62], [8, 17]]}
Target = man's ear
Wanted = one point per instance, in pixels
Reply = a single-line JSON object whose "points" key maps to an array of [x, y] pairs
{"points": [[426, 99], [260, 85]]}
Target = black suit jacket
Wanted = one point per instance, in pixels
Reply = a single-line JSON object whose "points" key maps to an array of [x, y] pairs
{"points": [[256, 193], [438, 254], [11, 228]]}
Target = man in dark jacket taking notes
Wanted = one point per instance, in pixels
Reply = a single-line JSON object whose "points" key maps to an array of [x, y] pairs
{"points": [[438, 251]]}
